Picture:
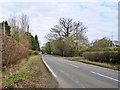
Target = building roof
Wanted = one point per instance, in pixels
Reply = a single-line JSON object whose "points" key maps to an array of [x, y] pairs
{"points": [[116, 43]]}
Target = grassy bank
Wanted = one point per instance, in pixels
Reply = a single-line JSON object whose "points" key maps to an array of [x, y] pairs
{"points": [[81, 59], [106, 65], [114, 67], [30, 74], [23, 73]]}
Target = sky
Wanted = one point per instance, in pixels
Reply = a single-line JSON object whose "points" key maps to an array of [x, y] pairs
{"points": [[100, 16]]}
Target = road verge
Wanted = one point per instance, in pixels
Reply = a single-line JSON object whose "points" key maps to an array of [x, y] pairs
{"points": [[82, 60], [31, 74]]}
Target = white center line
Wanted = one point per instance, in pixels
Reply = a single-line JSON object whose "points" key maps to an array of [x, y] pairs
{"points": [[74, 65], [104, 76], [77, 82], [98, 74]]}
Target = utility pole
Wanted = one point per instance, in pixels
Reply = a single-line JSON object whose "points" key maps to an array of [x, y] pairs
{"points": [[4, 27], [11, 30], [112, 38], [27, 28]]}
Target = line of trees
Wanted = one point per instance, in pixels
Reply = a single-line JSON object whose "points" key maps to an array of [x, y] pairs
{"points": [[66, 38], [5, 25], [18, 28], [102, 43]]}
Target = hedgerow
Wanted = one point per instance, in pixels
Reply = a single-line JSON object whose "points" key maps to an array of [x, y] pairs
{"points": [[103, 56]]}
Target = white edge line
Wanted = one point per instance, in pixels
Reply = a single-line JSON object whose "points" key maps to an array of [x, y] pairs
{"points": [[104, 68], [49, 67], [105, 76]]}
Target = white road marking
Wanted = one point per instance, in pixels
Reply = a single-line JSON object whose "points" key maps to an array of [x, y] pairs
{"points": [[71, 78], [74, 65], [104, 76], [102, 68], [49, 67], [97, 73]]}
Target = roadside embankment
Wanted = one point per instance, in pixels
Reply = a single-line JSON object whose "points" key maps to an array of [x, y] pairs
{"points": [[105, 65], [23, 68], [30, 74], [83, 60]]}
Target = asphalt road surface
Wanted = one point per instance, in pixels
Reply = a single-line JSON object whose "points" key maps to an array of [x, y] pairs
{"points": [[71, 74]]}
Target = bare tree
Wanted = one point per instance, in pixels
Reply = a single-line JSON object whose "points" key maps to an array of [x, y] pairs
{"points": [[24, 22], [67, 36], [65, 28], [13, 23]]}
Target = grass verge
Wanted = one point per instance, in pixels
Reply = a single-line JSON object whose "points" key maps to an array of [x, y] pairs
{"points": [[114, 67], [23, 73], [81, 59], [56, 55], [74, 58]]}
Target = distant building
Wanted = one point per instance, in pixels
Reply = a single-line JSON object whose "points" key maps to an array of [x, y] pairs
{"points": [[116, 43]]}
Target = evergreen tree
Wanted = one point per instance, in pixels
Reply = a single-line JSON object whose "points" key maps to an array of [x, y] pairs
{"points": [[37, 43], [34, 44], [7, 28]]}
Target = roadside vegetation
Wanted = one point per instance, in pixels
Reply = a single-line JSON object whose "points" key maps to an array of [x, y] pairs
{"points": [[68, 39], [30, 73], [8, 80], [83, 60], [18, 44], [19, 29]]}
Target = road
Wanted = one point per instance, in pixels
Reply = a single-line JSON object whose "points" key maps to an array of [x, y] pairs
{"points": [[71, 74]]}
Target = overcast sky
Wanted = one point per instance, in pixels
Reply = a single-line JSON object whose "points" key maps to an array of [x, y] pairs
{"points": [[100, 16]]}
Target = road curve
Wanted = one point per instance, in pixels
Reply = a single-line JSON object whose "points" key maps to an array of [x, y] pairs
{"points": [[71, 74]]}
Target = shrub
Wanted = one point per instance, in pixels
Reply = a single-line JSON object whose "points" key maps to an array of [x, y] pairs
{"points": [[13, 51], [112, 48], [103, 49], [80, 53], [103, 56]]}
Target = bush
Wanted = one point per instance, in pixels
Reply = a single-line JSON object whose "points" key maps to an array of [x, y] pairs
{"points": [[112, 48], [103, 56], [103, 49], [13, 52], [80, 53], [31, 52]]}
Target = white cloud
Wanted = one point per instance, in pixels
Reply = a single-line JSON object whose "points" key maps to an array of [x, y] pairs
{"points": [[100, 17], [59, 0]]}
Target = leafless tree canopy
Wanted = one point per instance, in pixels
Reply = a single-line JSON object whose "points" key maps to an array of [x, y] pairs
{"points": [[24, 22], [66, 27], [21, 23], [13, 23]]}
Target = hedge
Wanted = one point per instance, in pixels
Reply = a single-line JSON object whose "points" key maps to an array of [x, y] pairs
{"points": [[13, 52], [103, 49], [103, 56], [80, 53]]}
